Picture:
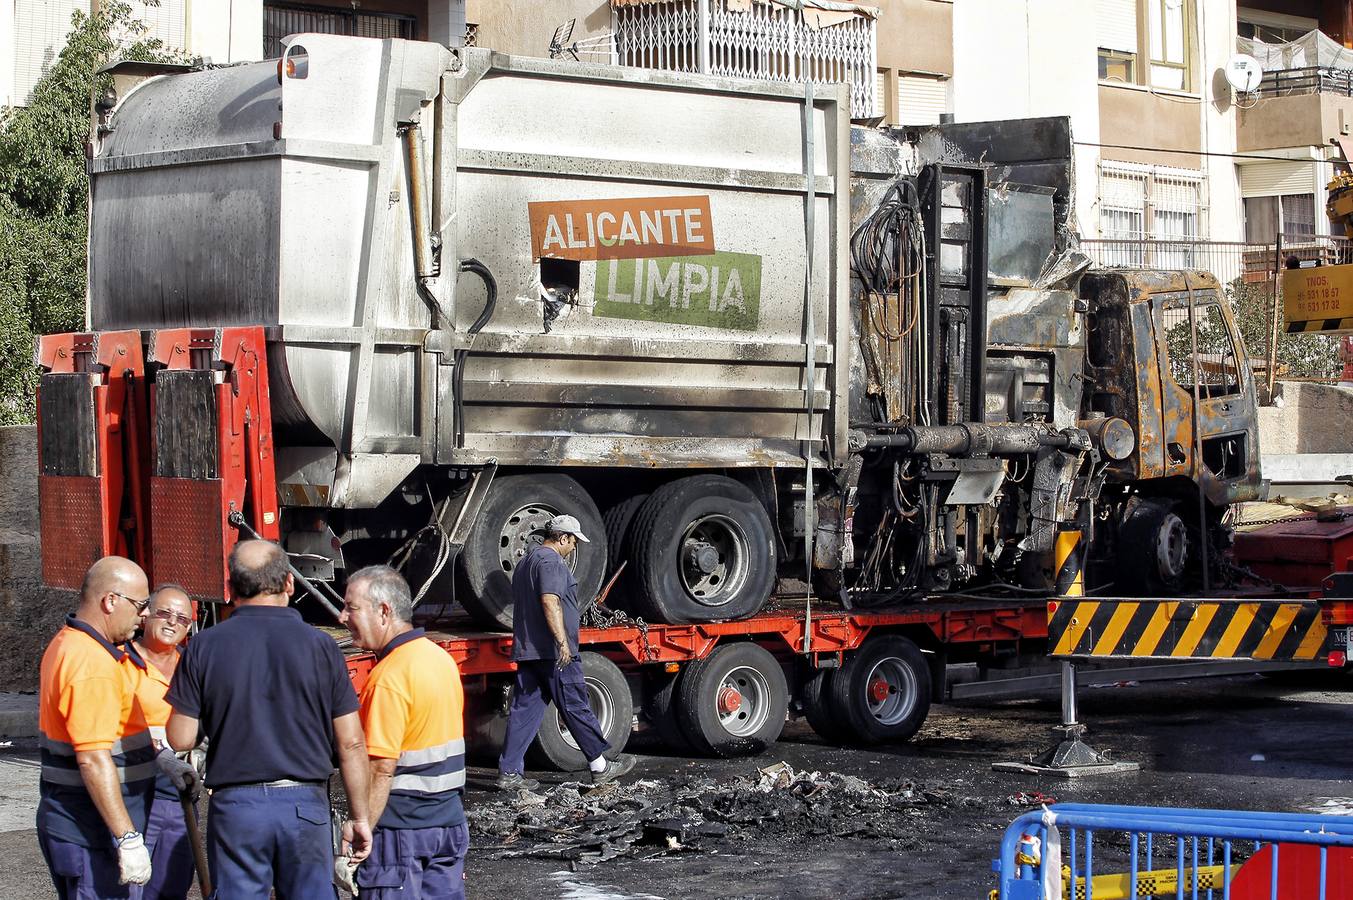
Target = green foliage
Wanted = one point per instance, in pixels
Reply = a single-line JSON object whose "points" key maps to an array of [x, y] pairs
{"points": [[1299, 355], [43, 196]]}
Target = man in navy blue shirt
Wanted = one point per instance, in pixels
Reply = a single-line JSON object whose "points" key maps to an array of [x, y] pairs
{"points": [[273, 696], [545, 616]]}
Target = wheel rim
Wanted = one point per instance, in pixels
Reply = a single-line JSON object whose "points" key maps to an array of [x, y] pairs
{"points": [[1172, 547], [603, 706], [890, 691], [714, 560], [522, 532], [743, 701]]}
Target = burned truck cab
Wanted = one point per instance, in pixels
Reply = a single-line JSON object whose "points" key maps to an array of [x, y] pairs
{"points": [[1163, 353]]}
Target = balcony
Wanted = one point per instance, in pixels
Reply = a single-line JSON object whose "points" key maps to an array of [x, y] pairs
{"points": [[1305, 98]]}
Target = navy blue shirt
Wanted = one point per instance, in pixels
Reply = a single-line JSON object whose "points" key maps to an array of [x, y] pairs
{"points": [[543, 571], [266, 688]]}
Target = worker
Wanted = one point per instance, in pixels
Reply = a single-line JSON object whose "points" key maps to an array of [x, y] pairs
{"points": [[168, 619], [98, 760], [273, 698], [545, 621], [413, 715]]}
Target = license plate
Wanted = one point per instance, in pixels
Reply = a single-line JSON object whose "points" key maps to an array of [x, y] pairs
{"points": [[1339, 638]]}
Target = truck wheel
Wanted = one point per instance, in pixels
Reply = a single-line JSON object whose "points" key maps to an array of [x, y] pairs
{"points": [[702, 550], [609, 696], [882, 693], [660, 708], [1155, 548], [617, 521], [734, 701], [510, 524], [817, 707]]}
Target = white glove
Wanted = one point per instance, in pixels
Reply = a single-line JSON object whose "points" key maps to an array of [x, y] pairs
{"points": [[133, 859], [182, 774], [345, 874]]}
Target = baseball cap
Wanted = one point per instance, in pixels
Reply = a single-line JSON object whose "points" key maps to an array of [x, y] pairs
{"points": [[567, 525]]}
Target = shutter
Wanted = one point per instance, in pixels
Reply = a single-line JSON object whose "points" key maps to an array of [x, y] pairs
{"points": [[1275, 178], [166, 21], [1116, 25], [40, 30], [880, 93], [921, 100]]}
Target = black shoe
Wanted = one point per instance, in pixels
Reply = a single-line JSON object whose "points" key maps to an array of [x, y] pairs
{"points": [[615, 768], [513, 781]]}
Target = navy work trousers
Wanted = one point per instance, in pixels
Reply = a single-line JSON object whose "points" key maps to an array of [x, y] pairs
{"points": [[171, 853], [84, 873], [413, 863], [538, 682], [264, 837]]}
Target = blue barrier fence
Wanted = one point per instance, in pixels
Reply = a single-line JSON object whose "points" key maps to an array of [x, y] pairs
{"points": [[1088, 851]]}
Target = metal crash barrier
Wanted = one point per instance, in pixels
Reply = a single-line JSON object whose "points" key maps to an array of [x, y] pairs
{"points": [[1081, 851]]}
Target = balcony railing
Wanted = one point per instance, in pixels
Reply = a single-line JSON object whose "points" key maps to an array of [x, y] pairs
{"points": [[1228, 260], [1310, 80]]}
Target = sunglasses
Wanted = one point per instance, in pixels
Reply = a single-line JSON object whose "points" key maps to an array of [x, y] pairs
{"points": [[138, 605], [172, 617]]}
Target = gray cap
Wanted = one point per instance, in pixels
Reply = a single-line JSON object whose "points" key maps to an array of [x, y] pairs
{"points": [[567, 525]]}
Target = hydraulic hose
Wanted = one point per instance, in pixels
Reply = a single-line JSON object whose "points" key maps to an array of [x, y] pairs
{"points": [[458, 378]]}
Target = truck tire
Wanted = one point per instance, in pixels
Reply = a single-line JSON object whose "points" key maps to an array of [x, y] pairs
{"points": [[617, 520], [882, 692], [734, 701], [609, 696], [817, 707], [1155, 548], [702, 550], [660, 708], [509, 524]]}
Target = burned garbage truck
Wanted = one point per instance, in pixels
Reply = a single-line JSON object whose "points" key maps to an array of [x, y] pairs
{"points": [[381, 300]]}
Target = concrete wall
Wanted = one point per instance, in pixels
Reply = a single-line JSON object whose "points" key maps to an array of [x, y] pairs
{"points": [[916, 36], [29, 614], [1312, 418]]}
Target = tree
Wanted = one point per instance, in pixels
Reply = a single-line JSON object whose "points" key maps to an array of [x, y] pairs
{"points": [[44, 195]]}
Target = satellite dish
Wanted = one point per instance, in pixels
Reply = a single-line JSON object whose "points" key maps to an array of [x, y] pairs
{"points": [[1243, 73]]}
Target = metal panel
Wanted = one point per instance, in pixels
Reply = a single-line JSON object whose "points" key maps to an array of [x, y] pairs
{"points": [[188, 536], [72, 527]]}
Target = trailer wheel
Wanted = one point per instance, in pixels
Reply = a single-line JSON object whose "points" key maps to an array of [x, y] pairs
{"points": [[609, 696], [617, 520], [660, 708], [817, 707], [702, 550], [510, 524], [734, 701], [882, 692], [1156, 548]]}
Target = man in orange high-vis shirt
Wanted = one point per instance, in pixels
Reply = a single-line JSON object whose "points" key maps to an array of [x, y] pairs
{"points": [[413, 714], [98, 761], [168, 619]]}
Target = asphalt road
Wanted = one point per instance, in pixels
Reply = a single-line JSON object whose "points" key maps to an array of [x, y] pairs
{"points": [[1240, 742]]}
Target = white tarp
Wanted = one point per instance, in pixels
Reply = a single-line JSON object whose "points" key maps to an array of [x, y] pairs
{"points": [[1310, 51], [818, 13]]}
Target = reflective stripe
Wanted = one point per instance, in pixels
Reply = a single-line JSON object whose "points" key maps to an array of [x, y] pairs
{"points": [[429, 784], [55, 747], [125, 774], [432, 754], [128, 744]]}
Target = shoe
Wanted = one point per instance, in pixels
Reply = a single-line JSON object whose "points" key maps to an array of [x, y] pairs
{"points": [[615, 768], [514, 781]]}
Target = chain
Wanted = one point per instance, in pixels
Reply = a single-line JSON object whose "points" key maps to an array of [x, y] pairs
{"points": [[596, 616], [1299, 517]]}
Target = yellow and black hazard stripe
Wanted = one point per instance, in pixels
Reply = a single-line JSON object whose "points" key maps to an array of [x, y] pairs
{"points": [[1318, 325], [1189, 629]]}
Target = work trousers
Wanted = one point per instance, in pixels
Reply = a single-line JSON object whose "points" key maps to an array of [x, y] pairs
{"points": [[538, 682], [84, 873], [413, 863], [262, 838], [171, 852]]}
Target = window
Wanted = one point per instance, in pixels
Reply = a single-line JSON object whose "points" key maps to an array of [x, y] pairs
{"points": [[1155, 212], [282, 19], [921, 100], [1292, 214], [1273, 34], [1158, 30], [1218, 373]]}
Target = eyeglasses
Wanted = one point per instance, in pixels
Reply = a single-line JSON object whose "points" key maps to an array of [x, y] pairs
{"points": [[139, 605], [172, 617]]}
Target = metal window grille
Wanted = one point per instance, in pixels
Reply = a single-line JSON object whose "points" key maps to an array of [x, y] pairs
{"points": [[282, 19], [1159, 207], [471, 34], [764, 41]]}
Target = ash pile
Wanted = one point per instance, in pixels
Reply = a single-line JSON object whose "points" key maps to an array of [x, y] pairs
{"points": [[647, 818]]}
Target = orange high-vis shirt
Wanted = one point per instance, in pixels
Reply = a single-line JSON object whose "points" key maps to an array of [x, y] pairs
{"points": [[413, 711], [87, 701]]}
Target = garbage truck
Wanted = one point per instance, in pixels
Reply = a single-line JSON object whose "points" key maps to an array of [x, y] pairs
{"points": [[381, 300]]}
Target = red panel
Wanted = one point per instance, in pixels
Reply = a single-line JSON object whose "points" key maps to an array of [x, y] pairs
{"points": [[1298, 873], [187, 539], [1297, 554], [72, 527]]}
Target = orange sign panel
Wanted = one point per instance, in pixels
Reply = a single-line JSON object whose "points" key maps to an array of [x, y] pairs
{"points": [[622, 228]]}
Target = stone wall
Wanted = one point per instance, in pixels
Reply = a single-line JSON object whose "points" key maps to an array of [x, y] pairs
{"points": [[1307, 418], [29, 614]]}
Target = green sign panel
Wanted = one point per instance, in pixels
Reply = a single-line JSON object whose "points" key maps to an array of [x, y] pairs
{"points": [[722, 290]]}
